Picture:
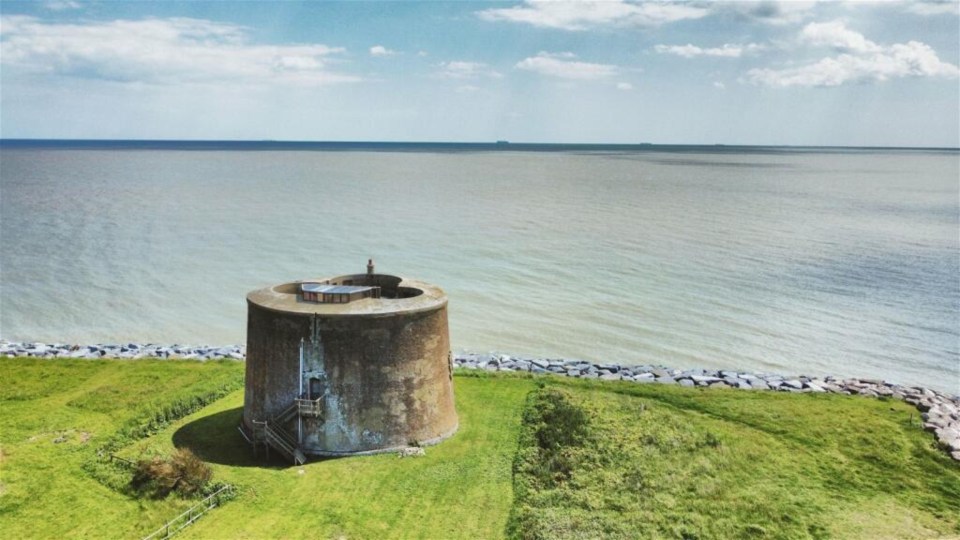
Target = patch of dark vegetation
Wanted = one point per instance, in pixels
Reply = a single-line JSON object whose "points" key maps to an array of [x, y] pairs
{"points": [[181, 472], [553, 436], [555, 430]]}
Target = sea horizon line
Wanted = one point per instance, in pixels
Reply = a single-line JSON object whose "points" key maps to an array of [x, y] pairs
{"points": [[499, 145]]}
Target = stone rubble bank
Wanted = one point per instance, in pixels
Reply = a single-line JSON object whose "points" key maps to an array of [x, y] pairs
{"points": [[939, 412], [128, 350]]}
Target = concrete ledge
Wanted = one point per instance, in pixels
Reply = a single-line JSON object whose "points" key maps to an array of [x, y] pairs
{"points": [[284, 298]]}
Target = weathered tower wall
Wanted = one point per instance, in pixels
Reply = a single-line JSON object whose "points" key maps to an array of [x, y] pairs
{"points": [[381, 368]]}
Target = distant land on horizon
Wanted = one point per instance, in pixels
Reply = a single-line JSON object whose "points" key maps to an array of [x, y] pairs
{"points": [[499, 145]]}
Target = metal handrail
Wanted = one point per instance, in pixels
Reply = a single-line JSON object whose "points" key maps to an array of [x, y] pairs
{"points": [[288, 444], [312, 407], [246, 436], [165, 529]]}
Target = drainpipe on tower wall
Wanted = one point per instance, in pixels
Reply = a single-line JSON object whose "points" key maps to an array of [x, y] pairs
{"points": [[300, 418]]}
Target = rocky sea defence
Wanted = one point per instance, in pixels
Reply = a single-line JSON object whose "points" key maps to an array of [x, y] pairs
{"points": [[939, 412], [122, 350]]}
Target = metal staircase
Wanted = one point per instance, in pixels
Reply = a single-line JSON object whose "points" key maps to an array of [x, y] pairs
{"points": [[273, 434], [283, 442], [286, 415]]}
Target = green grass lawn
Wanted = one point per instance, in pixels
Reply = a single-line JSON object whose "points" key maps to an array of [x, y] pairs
{"points": [[659, 462], [461, 488], [55, 414], [680, 463]]}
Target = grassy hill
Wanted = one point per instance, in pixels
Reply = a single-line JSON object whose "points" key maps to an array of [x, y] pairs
{"points": [[645, 461]]}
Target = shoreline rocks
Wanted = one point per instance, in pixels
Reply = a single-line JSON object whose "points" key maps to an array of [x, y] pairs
{"points": [[939, 412], [125, 350]]}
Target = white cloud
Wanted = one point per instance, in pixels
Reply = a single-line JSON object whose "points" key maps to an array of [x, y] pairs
{"points": [[725, 51], [777, 13], [563, 66], [933, 8], [624, 86], [718, 84], [161, 51], [380, 50], [423, 54], [584, 14], [912, 59], [835, 34], [467, 89], [62, 5], [465, 70]]}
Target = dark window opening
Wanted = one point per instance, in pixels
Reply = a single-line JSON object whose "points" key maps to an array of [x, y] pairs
{"points": [[315, 389]]}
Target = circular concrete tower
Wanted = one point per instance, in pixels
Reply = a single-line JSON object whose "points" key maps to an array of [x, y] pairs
{"points": [[348, 365]]}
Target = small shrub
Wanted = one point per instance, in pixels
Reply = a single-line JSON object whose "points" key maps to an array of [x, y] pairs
{"points": [[556, 420], [182, 472]]}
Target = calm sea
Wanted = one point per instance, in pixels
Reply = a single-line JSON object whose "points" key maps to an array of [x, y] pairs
{"points": [[813, 261]]}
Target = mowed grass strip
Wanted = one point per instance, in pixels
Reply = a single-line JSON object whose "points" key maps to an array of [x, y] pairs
{"points": [[667, 462], [461, 488]]}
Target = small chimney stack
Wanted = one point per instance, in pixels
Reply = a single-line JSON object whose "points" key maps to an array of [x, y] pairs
{"points": [[369, 267]]}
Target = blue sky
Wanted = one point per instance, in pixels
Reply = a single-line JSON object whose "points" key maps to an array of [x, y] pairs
{"points": [[803, 73]]}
